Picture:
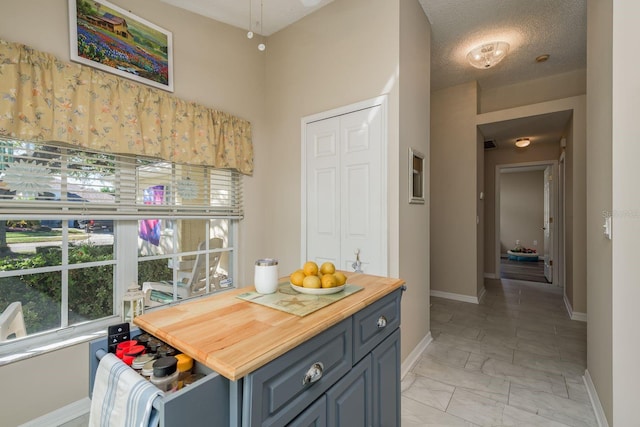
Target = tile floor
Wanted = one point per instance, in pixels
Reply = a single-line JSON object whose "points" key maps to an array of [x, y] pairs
{"points": [[515, 359]]}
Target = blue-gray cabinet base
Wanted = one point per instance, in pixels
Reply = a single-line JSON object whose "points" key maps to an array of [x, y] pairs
{"points": [[346, 376]]}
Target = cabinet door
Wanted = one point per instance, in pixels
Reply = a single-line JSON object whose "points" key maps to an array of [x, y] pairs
{"points": [[349, 401], [314, 416], [386, 382]]}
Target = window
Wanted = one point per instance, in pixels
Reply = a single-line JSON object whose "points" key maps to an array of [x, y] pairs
{"points": [[77, 227]]}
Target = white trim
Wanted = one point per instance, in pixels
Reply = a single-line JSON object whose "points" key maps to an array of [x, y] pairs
{"points": [[491, 276], [62, 415], [595, 400], [574, 315], [481, 294], [455, 297], [415, 354]]}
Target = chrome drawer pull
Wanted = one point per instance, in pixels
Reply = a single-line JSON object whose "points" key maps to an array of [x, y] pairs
{"points": [[313, 374], [382, 322]]}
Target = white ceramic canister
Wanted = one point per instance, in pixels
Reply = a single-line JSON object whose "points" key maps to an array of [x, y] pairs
{"points": [[266, 276]]}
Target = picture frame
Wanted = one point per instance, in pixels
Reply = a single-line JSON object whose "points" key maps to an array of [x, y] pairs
{"points": [[105, 36], [416, 177]]}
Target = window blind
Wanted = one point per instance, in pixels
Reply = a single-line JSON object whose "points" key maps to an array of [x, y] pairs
{"points": [[50, 180]]}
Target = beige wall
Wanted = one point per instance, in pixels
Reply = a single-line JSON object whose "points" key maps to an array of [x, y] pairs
{"points": [[453, 190], [521, 210], [310, 70], [626, 214], [480, 211], [599, 185], [415, 38], [558, 86], [216, 66]]}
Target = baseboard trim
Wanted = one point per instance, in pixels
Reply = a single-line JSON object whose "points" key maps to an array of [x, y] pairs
{"points": [[595, 400], [574, 315], [62, 415], [481, 294], [414, 356], [456, 297], [491, 276]]}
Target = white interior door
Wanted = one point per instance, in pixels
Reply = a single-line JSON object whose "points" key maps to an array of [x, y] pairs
{"points": [[548, 224], [346, 187]]}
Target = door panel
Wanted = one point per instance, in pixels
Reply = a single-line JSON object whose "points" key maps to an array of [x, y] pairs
{"points": [[362, 191], [322, 172]]}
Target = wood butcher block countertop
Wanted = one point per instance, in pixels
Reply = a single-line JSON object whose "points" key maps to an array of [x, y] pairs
{"points": [[235, 337]]}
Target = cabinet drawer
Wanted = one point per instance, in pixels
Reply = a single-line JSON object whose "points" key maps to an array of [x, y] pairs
{"points": [[314, 416], [374, 323], [280, 390], [204, 403]]}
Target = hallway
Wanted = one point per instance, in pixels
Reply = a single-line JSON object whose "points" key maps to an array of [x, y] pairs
{"points": [[515, 359]]}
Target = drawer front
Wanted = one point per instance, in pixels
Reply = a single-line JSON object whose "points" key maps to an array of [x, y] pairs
{"points": [[314, 416], [279, 391], [374, 323]]}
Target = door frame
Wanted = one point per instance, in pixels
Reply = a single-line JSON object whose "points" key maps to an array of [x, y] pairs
{"points": [[558, 226], [380, 101]]}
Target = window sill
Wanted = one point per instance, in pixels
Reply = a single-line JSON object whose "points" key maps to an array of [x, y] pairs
{"points": [[20, 355]]}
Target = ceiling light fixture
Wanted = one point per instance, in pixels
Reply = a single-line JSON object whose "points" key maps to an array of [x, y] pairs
{"points": [[310, 3], [488, 55], [250, 32], [261, 46], [522, 142], [542, 58]]}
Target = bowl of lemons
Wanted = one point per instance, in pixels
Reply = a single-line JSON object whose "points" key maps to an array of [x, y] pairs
{"points": [[314, 280]]}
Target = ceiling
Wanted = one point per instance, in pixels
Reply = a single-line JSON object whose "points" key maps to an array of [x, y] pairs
{"points": [[276, 14], [531, 27], [541, 129]]}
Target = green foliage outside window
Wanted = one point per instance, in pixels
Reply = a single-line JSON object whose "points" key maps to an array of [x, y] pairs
{"points": [[90, 288]]}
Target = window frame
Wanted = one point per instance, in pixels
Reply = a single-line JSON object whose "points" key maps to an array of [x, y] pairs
{"points": [[125, 258]]}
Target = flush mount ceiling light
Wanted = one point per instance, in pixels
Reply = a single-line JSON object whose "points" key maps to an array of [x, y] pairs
{"points": [[310, 3], [488, 55], [543, 58], [522, 142]]}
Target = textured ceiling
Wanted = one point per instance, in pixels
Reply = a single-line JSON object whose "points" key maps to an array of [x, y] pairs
{"points": [[531, 27]]}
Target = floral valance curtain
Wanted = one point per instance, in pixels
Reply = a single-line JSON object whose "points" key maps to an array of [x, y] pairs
{"points": [[45, 99]]}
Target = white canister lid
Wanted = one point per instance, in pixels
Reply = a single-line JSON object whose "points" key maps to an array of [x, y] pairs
{"points": [[267, 262]]}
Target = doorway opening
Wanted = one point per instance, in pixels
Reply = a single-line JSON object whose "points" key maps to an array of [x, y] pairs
{"points": [[525, 211]]}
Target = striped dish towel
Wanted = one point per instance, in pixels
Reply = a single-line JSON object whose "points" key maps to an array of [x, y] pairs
{"points": [[121, 397]]}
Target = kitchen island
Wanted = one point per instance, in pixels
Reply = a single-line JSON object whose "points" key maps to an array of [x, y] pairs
{"points": [[338, 366]]}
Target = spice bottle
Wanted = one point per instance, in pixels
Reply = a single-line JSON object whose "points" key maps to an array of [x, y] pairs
{"points": [[165, 374], [185, 364], [147, 370], [139, 362]]}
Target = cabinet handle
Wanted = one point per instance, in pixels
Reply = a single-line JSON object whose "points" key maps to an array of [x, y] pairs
{"points": [[313, 374], [382, 322]]}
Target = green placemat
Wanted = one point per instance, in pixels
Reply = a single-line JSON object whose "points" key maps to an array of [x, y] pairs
{"points": [[290, 301]]}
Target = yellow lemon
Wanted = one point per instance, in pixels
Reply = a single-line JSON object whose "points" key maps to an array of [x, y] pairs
{"points": [[311, 282], [310, 268], [328, 281], [341, 279], [327, 268], [297, 277]]}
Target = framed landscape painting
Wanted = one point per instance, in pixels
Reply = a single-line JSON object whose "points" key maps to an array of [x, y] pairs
{"points": [[104, 36]]}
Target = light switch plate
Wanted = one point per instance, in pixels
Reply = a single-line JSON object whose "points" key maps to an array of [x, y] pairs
{"points": [[607, 228]]}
